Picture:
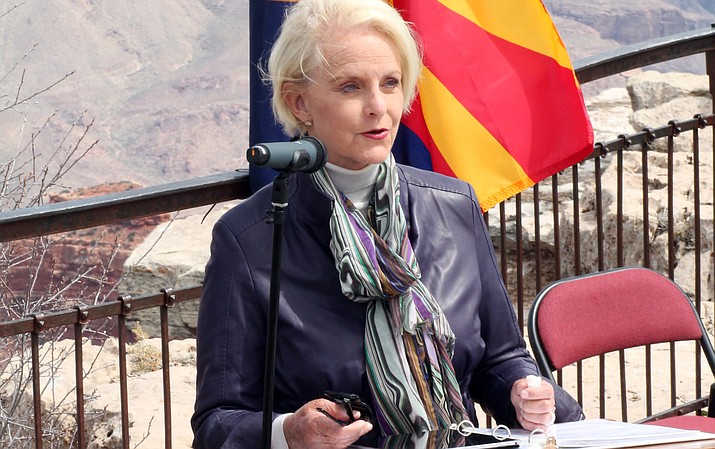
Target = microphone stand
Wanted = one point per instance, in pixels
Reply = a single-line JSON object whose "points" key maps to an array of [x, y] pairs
{"points": [[279, 201]]}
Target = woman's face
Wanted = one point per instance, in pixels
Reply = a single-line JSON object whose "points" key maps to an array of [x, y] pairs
{"points": [[354, 107]]}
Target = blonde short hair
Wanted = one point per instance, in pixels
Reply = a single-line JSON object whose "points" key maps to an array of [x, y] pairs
{"points": [[297, 51]]}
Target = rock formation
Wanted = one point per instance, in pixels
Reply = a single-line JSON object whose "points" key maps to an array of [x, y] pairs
{"points": [[172, 256]]}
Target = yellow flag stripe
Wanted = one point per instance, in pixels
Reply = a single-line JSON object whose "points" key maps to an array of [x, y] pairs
{"points": [[525, 23], [472, 153]]}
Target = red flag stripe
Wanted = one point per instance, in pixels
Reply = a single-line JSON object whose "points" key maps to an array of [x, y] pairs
{"points": [[503, 95], [415, 121]]}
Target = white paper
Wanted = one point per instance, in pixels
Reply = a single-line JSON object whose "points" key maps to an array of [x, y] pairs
{"points": [[598, 434], [603, 434]]}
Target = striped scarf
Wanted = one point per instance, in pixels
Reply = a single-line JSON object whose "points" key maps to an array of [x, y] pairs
{"points": [[408, 341]]}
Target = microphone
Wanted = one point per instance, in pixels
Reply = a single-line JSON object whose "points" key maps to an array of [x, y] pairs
{"points": [[306, 154]]}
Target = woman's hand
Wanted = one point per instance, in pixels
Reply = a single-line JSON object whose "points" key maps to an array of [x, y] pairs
{"points": [[308, 428], [535, 406]]}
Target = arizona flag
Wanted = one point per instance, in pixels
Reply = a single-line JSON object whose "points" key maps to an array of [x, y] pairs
{"points": [[499, 104]]}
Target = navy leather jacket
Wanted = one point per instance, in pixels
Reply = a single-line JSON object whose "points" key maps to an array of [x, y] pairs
{"points": [[320, 340]]}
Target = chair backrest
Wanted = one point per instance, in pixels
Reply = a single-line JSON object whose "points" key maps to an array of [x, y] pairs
{"points": [[583, 316]]}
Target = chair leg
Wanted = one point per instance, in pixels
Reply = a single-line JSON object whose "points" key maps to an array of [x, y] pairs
{"points": [[711, 402]]}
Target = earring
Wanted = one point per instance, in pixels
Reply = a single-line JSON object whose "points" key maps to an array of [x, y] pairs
{"points": [[308, 123]]}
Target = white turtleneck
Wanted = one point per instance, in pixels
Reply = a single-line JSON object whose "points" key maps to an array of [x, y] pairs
{"points": [[357, 185]]}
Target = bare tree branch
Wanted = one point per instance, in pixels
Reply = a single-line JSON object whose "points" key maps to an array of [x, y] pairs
{"points": [[14, 7], [27, 99], [29, 282], [17, 63]]}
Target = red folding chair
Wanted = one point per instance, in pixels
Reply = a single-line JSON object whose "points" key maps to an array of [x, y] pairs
{"points": [[580, 317]]}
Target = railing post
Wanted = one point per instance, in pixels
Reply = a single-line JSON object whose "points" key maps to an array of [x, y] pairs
{"points": [[169, 300], [126, 309], [38, 327], [82, 319], [710, 70]]}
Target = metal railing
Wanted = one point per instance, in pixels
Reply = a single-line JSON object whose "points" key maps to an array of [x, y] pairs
{"points": [[523, 259], [511, 246]]}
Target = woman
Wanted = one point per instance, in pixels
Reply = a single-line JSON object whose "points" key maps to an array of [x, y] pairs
{"points": [[389, 286]]}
